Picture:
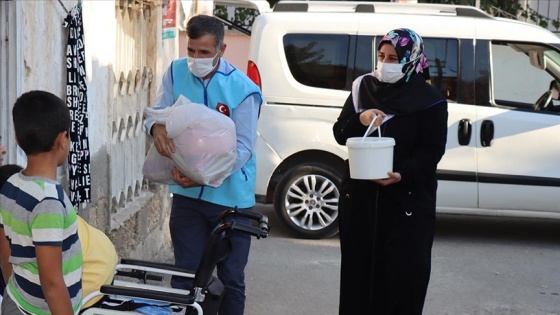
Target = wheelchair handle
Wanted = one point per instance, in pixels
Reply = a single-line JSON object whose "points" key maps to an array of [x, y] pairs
{"points": [[244, 213], [260, 231], [259, 217]]}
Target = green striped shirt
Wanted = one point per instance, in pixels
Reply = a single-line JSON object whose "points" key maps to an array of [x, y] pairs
{"points": [[37, 212]]}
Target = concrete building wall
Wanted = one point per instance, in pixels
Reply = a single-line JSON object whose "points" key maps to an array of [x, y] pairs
{"points": [[125, 59]]}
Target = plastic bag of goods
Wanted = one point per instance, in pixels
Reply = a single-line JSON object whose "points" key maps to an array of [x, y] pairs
{"points": [[205, 144]]}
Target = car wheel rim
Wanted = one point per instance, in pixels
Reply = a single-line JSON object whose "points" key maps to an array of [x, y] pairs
{"points": [[312, 202]]}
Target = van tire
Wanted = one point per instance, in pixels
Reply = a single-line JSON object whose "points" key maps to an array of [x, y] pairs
{"points": [[308, 212]]}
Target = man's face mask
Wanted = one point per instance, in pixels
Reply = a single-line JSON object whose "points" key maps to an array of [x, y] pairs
{"points": [[388, 72], [201, 67]]}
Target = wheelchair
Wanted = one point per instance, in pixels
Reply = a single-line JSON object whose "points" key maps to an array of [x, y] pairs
{"points": [[140, 297]]}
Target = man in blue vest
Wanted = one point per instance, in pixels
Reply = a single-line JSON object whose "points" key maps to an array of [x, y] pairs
{"points": [[205, 77]]}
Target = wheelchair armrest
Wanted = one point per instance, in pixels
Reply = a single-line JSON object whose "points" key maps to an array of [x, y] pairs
{"points": [[148, 273], [138, 274], [151, 264], [139, 269], [147, 294]]}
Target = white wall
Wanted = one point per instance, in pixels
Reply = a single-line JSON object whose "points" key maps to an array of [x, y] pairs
{"points": [[139, 226]]}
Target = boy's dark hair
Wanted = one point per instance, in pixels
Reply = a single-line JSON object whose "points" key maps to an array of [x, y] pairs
{"points": [[6, 171], [200, 25], [39, 117]]}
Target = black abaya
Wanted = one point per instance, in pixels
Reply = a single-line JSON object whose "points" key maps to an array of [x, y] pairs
{"points": [[386, 233]]}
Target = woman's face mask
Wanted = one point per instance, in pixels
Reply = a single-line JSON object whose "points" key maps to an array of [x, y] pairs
{"points": [[201, 67], [388, 72]]}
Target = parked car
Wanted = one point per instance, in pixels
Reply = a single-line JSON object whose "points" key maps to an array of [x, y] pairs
{"points": [[503, 149]]}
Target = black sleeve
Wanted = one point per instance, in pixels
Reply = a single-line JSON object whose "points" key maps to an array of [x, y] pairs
{"points": [[423, 163], [348, 124]]}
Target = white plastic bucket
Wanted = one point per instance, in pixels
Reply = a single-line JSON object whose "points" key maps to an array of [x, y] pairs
{"points": [[370, 157]]}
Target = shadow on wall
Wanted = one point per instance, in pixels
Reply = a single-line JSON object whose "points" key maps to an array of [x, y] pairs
{"points": [[237, 51]]}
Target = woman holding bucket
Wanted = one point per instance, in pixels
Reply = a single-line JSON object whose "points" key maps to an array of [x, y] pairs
{"points": [[387, 224]]}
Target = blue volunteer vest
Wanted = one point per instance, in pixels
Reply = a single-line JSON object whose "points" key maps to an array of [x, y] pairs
{"points": [[229, 89]]}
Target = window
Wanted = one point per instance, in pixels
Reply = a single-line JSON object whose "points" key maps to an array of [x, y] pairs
{"points": [[442, 57], [517, 81], [318, 60], [365, 55], [321, 60]]}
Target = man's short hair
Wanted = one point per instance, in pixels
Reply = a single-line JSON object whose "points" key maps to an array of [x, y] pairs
{"points": [[39, 117], [200, 25]]}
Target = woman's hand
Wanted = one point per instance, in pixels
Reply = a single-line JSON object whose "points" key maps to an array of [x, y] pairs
{"points": [[163, 144], [181, 180], [367, 116], [392, 179]]}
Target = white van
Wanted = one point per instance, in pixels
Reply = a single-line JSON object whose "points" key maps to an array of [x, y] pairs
{"points": [[503, 148]]}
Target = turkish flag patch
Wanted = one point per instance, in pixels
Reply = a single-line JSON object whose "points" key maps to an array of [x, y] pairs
{"points": [[223, 108]]}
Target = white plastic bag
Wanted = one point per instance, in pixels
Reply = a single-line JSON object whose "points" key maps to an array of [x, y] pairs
{"points": [[205, 144], [157, 168]]}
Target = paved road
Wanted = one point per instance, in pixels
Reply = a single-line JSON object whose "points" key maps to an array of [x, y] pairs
{"points": [[480, 266]]}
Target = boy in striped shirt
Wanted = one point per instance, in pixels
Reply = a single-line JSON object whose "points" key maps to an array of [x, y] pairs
{"points": [[38, 224]]}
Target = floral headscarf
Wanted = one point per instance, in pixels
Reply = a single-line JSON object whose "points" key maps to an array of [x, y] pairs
{"points": [[410, 50], [403, 97]]}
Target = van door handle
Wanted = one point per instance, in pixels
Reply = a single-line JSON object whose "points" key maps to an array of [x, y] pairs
{"points": [[464, 132], [486, 133]]}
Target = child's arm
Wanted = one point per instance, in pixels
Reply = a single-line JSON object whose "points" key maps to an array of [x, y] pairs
{"points": [[49, 261], [5, 256]]}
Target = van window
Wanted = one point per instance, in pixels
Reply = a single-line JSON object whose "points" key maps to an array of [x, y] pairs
{"points": [[365, 55], [442, 57], [321, 60], [318, 60], [516, 83]]}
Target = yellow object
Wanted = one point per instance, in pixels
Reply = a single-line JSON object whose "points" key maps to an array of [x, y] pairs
{"points": [[100, 259]]}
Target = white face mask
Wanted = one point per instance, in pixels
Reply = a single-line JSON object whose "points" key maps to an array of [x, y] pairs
{"points": [[388, 72], [201, 67]]}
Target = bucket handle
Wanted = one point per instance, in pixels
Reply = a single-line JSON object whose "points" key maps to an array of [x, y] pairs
{"points": [[369, 128]]}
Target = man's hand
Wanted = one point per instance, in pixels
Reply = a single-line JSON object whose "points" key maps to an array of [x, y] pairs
{"points": [[163, 144], [393, 178], [181, 180]]}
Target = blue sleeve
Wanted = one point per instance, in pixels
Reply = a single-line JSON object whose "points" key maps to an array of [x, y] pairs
{"points": [[164, 98], [245, 117]]}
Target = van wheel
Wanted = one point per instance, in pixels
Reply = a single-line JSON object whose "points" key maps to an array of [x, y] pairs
{"points": [[306, 201]]}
